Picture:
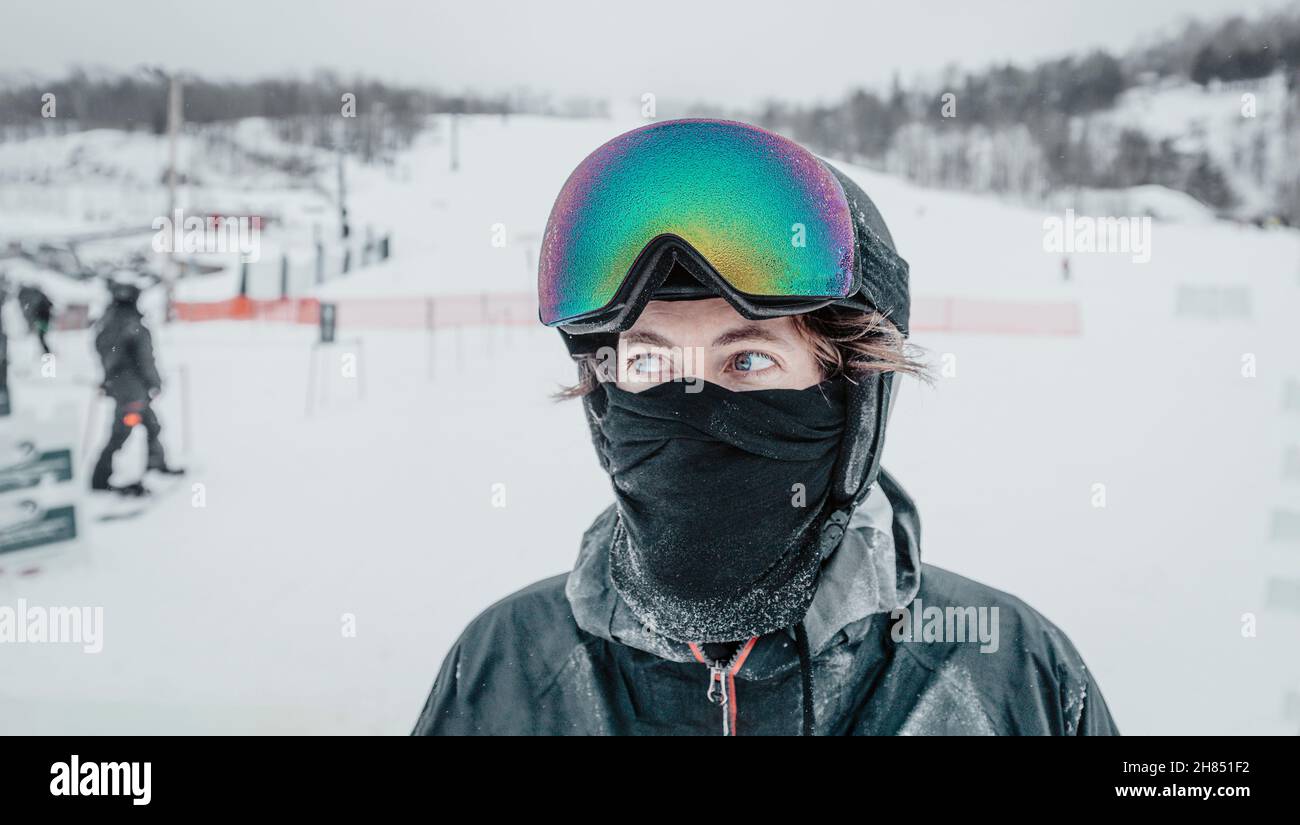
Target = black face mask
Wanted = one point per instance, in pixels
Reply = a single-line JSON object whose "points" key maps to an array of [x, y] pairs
{"points": [[721, 497]]}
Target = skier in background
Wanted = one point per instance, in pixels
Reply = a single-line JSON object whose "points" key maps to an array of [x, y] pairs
{"points": [[131, 379], [4, 346], [38, 309], [4, 296]]}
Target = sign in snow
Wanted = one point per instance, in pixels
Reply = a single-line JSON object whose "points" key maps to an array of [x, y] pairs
{"points": [[38, 490], [35, 526], [28, 470]]}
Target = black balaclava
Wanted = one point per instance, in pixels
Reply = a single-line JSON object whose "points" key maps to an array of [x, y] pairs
{"points": [[720, 496]]}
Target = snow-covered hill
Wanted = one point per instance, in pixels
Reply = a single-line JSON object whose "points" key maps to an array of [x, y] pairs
{"points": [[1246, 128]]}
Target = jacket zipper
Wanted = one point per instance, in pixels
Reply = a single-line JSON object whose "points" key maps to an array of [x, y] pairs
{"points": [[722, 682]]}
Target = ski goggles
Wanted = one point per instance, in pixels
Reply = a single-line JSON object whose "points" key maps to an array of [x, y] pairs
{"points": [[752, 216]]}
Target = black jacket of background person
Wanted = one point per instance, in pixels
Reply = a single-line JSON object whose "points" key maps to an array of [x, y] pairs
{"points": [[566, 656], [36, 305], [126, 349]]}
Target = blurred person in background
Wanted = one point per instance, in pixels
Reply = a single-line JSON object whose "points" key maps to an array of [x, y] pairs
{"points": [[4, 346], [37, 310], [131, 379]]}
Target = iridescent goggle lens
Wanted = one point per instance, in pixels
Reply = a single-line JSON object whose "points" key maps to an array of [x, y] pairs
{"points": [[767, 216]]}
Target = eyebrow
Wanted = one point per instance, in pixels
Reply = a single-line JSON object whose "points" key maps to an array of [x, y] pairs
{"points": [[654, 339], [745, 332], [748, 332]]}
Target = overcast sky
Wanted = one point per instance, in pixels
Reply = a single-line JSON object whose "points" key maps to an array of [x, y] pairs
{"points": [[728, 52]]}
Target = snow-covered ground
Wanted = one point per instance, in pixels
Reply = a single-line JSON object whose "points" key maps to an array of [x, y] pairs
{"points": [[377, 507]]}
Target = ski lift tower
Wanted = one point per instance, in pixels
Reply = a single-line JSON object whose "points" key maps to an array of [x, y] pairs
{"points": [[175, 115]]}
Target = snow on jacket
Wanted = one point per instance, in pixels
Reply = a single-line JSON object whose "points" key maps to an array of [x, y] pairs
{"points": [[566, 656]]}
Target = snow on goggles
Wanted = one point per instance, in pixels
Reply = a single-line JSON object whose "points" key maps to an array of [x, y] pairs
{"points": [[752, 214]]}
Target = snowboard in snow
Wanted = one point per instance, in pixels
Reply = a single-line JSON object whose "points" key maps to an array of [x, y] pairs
{"points": [[117, 507]]}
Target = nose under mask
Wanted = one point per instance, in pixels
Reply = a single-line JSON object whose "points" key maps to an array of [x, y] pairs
{"points": [[721, 496]]}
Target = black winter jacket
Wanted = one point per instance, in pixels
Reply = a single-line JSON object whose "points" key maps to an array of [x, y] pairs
{"points": [[37, 307], [125, 348], [566, 656]]}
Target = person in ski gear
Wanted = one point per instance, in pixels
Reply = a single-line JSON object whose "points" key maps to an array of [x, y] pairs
{"points": [[131, 379], [4, 347], [37, 309], [738, 313]]}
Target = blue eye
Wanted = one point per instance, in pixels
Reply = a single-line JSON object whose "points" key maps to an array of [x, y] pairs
{"points": [[648, 364], [651, 367], [752, 362]]}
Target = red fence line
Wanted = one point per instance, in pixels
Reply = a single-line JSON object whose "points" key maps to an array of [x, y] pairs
{"points": [[996, 317], [243, 308], [929, 314]]}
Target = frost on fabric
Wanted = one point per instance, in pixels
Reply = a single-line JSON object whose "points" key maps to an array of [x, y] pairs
{"points": [[779, 600], [1073, 682], [1075, 700], [950, 706], [835, 672], [579, 679], [864, 576]]}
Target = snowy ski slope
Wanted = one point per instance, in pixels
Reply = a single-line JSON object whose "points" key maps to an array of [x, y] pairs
{"points": [[377, 509]]}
